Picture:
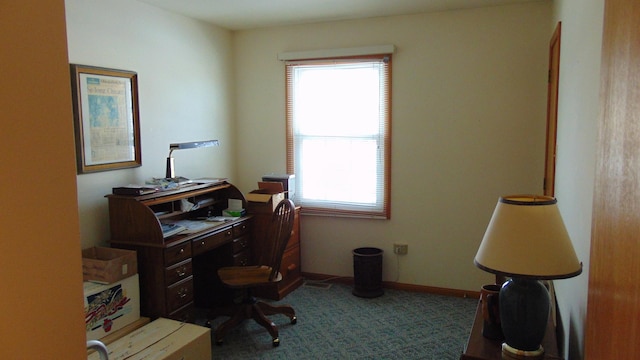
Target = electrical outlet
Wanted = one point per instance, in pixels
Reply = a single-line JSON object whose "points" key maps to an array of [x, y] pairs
{"points": [[400, 249]]}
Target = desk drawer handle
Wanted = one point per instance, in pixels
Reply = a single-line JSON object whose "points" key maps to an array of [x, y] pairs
{"points": [[182, 293], [202, 243], [182, 271], [181, 251]]}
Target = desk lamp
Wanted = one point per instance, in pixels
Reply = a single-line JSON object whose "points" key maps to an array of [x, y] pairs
{"points": [[187, 145], [526, 240]]}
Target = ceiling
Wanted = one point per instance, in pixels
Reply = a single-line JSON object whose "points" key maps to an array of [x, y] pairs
{"points": [[251, 14]]}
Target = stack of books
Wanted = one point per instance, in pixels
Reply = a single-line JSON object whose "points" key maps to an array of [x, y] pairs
{"points": [[172, 229], [133, 190]]}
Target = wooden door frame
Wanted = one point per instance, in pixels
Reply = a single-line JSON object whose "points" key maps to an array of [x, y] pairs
{"points": [[613, 306], [552, 113]]}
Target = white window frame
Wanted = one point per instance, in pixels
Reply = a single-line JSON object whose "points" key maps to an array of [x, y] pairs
{"points": [[295, 138]]}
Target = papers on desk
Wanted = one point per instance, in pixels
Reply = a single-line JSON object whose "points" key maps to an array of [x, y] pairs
{"points": [[222, 218], [162, 184], [133, 189], [171, 229], [209, 180], [194, 226]]}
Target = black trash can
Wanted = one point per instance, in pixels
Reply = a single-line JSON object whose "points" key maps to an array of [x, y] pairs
{"points": [[367, 272]]}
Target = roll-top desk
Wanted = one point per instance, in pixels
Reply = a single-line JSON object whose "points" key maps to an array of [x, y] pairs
{"points": [[179, 272]]}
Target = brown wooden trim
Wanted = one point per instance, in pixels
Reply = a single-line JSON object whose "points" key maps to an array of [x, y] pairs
{"points": [[432, 290], [552, 112], [348, 280], [310, 210], [614, 289]]}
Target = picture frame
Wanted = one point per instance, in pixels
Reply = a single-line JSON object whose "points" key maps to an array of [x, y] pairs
{"points": [[106, 118]]}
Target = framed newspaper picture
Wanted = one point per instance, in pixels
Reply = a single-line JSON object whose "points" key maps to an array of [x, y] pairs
{"points": [[106, 118]]}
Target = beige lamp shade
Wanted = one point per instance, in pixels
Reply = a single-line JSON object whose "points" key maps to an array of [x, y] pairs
{"points": [[526, 237]]}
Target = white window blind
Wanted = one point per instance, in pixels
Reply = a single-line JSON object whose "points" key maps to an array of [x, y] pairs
{"points": [[338, 134]]}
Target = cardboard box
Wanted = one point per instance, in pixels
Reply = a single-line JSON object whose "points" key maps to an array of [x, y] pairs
{"points": [[266, 198], [288, 183], [162, 339], [111, 307], [117, 334], [108, 265]]}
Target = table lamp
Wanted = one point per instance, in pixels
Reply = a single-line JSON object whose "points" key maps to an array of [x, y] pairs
{"points": [[526, 241], [171, 173]]}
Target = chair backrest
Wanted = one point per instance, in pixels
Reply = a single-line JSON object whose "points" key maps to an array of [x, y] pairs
{"points": [[279, 234]]}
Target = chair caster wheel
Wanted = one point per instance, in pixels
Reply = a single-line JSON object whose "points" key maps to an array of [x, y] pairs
{"points": [[276, 342], [294, 320]]}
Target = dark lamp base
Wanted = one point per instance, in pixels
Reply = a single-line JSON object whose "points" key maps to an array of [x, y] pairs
{"points": [[509, 352], [524, 313]]}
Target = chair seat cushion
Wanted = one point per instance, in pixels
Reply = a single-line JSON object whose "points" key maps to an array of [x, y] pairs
{"points": [[246, 276]]}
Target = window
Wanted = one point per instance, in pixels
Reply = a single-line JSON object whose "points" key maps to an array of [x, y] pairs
{"points": [[338, 135]]}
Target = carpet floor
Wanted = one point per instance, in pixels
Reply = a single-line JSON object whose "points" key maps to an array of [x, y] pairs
{"points": [[334, 324]]}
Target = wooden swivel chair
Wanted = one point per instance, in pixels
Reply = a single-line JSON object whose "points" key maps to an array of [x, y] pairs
{"points": [[265, 272]]}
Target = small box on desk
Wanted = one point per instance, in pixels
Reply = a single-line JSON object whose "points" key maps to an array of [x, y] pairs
{"points": [[110, 307], [288, 183], [107, 265], [162, 339], [266, 198]]}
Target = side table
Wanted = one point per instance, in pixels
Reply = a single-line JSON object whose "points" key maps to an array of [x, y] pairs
{"points": [[481, 348]]}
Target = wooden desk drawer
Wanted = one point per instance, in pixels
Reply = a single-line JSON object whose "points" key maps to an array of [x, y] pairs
{"points": [[177, 253], [241, 258], [294, 240], [290, 266], [206, 243], [178, 272], [241, 228], [240, 244], [180, 294], [291, 277]]}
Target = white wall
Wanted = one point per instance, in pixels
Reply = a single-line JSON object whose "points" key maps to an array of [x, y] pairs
{"points": [[185, 87], [469, 108], [578, 113]]}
